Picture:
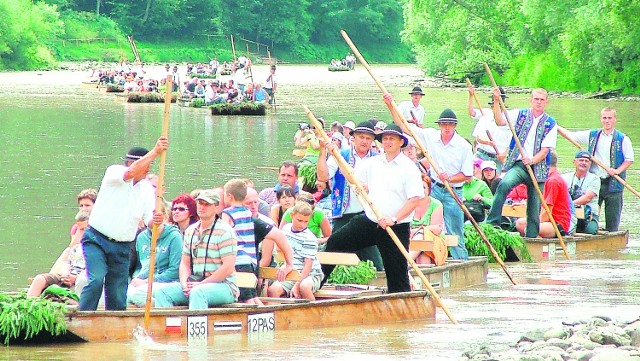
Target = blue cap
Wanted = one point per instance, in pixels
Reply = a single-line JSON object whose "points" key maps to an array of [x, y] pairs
{"points": [[583, 154]]}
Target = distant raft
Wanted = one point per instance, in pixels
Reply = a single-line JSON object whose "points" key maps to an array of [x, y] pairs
{"points": [[145, 97], [338, 67], [244, 108]]}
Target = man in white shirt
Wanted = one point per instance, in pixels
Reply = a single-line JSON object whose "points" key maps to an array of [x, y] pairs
{"points": [[614, 150], [345, 204], [125, 199], [501, 134], [537, 132], [271, 84], [454, 157], [584, 187], [395, 187], [412, 108]]}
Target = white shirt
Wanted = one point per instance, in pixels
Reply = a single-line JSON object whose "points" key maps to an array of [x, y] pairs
{"points": [[453, 158], [603, 150], [391, 184], [209, 94], [501, 134], [354, 205], [406, 107], [548, 142], [271, 79], [121, 205], [590, 182]]}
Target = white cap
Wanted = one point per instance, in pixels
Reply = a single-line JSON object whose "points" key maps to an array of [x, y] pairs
{"points": [[488, 164], [381, 125], [349, 124]]}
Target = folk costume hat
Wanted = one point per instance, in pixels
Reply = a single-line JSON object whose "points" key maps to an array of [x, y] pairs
{"points": [[364, 127], [447, 116], [393, 129], [416, 90], [135, 153]]}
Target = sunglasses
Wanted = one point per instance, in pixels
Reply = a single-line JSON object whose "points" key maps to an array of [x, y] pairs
{"points": [[310, 201], [181, 209]]}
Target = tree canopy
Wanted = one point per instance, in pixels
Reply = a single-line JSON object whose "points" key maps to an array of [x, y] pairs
{"points": [[569, 45]]}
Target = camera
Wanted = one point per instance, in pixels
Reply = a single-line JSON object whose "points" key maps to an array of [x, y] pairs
{"points": [[575, 192], [303, 126]]}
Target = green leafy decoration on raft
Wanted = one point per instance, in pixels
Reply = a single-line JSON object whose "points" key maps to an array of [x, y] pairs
{"points": [[308, 172], [243, 108], [23, 317], [361, 274], [500, 239]]}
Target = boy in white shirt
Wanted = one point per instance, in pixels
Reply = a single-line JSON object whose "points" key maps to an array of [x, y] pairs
{"points": [[305, 249]]}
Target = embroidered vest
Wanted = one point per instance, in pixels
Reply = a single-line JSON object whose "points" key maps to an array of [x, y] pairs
{"points": [[341, 192], [615, 154], [523, 126]]}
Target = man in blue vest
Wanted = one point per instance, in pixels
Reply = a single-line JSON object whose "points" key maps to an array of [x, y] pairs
{"points": [[344, 203], [614, 150], [537, 132]]}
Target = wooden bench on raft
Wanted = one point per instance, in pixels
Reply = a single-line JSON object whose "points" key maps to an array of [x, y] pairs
{"points": [[433, 245], [520, 211], [249, 280]]}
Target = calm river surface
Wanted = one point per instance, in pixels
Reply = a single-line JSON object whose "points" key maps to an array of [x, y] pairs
{"points": [[58, 137]]}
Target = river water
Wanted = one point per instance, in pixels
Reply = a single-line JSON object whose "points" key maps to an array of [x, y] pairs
{"points": [[58, 137]]}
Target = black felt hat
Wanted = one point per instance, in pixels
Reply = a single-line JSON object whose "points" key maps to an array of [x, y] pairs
{"points": [[416, 90], [365, 127], [447, 116], [135, 153], [393, 129]]}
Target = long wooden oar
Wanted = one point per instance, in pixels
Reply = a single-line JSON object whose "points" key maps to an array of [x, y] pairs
{"points": [[598, 162], [159, 202], [346, 169], [402, 123], [475, 96], [528, 166], [233, 48]]}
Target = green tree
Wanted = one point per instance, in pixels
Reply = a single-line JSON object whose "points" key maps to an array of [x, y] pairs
{"points": [[26, 33]]}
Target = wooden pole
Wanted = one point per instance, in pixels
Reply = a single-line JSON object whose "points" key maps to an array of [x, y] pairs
{"points": [[346, 169], [402, 123], [159, 202], [233, 48], [475, 97], [598, 162], [528, 166]]}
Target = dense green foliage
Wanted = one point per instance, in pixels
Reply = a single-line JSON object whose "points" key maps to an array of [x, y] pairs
{"points": [[500, 239], [567, 45], [361, 274], [36, 33], [26, 33], [22, 317]]}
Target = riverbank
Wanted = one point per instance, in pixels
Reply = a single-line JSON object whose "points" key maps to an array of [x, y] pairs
{"points": [[596, 339], [408, 80]]}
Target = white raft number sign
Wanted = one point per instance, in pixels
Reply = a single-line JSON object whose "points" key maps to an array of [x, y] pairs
{"points": [[261, 322], [197, 328]]}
